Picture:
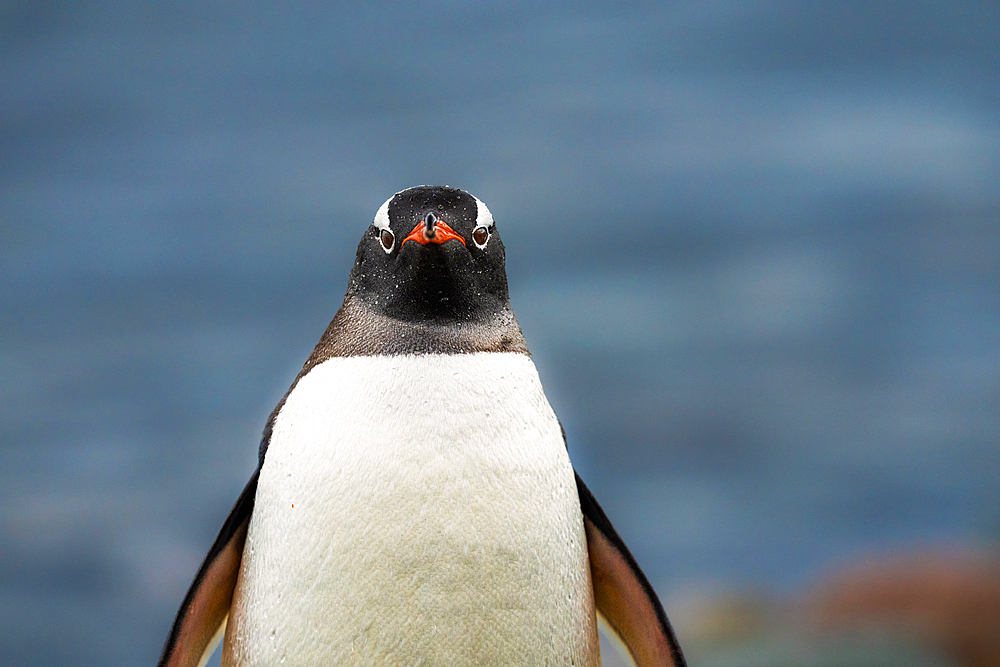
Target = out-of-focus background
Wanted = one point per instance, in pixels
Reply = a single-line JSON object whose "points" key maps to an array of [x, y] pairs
{"points": [[753, 247]]}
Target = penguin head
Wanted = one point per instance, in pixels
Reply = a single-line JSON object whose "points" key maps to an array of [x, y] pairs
{"points": [[431, 254]]}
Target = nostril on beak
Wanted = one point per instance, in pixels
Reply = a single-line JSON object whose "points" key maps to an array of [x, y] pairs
{"points": [[430, 225]]}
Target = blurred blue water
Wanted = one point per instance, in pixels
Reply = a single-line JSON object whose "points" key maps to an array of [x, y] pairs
{"points": [[753, 247]]}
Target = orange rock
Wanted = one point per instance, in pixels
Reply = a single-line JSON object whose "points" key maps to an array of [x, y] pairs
{"points": [[950, 600]]}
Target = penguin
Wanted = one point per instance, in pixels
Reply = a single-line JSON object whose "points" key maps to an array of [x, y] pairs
{"points": [[414, 502]]}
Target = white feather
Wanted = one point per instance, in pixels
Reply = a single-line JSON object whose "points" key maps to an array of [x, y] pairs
{"points": [[381, 220], [483, 216], [410, 509]]}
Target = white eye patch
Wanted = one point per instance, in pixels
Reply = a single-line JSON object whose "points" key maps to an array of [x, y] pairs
{"points": [[381, 223], [483, 216], [484, 222]]}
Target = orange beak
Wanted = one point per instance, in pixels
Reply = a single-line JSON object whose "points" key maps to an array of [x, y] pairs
{"points": [[438, 233]]}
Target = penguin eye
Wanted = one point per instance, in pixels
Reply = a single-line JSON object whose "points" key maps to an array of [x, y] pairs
{"points": [[387, 239], [481, 235]]}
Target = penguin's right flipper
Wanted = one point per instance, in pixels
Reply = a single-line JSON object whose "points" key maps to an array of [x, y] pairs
{"points": [[202, 616], [622, 593]]}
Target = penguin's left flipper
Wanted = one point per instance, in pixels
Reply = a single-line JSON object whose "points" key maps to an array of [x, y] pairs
{"points": [[622, 593], [202, 616]]}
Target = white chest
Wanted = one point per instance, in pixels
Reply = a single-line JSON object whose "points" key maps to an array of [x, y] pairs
{"points": [[415, 510]]}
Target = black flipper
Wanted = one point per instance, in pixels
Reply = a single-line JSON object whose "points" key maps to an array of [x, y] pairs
{"points": [[622, 593], [206, 605]]}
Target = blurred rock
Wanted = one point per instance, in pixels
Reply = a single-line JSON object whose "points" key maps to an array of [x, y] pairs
{"points": [[949, 600], [712, 618]]}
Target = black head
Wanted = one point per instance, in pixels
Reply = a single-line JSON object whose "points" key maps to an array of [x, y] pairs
{"points": [[432, 254], [429, 278]]}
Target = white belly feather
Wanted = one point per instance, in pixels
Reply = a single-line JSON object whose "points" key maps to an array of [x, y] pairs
{"points": [[411, 510]]}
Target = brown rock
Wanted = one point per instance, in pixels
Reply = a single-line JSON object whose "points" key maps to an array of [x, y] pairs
{"points": [[949, 600]]}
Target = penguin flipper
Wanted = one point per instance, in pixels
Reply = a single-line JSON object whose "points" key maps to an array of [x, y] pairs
{"points": [[622, 593], [205, 609]]}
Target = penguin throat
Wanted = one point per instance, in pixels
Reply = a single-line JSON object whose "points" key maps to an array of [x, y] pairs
{"points": [[360, 330]]}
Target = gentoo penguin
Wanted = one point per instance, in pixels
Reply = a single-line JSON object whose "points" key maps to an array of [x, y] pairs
{"points": [[414, 501]]}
